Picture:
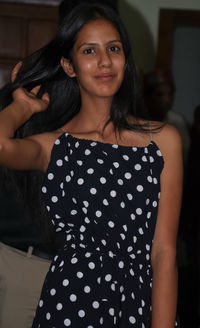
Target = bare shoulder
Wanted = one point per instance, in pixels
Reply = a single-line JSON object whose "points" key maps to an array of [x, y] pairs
{"points": [[168, 140], [46, 141]]}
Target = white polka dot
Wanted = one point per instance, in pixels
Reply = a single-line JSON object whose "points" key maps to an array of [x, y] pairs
{"points": [[108, 277], [80, 163], [111, 224], [140, 188], [120, 182], [125, 157], [93, 191], [113, 193], [121, 264], [132, 216], [41, 303], [67, 322], [87, 220], [86, 204], [68, 178], [54, 199], [87, 152], [98, 214], [155, 181], [87, 289], [132, 272], [149, 178], [128, 175], [74, 260], [91, 265], [132, 295], [80, 181], [138, 167], [59, 162], [100, 161], [82, 228], [79, 275], [73, 212], [90, 171], [48, 316], [154, 204], [122, 204], [77, 144], [132, 320], [73, 298], [102, 180], [147, 257], [95, 305], [53, 292], [144, 158], [81, 313], [140, 311], [151, 159], [134, 239], [103, 242], [59, 306], [122, 235], [129, 196], [101, 321], [158, 153], [111, 311], [139, 211], [105, 202], [66, 158], [50, 176], [65, 282], [116, 164], [44, 190], [57, 142], [148, 215], [141, 232]]}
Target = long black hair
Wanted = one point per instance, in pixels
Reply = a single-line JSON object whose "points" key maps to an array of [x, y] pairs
{"points": [[44, 68]]}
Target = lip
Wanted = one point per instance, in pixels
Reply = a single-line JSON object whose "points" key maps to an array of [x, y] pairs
{"points": [[105, 77]]}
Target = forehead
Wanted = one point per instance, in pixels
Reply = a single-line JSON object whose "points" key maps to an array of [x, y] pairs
{"points": [[97, 30]]}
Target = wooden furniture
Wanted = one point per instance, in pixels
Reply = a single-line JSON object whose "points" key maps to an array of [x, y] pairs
{"points": [[24, 27]]}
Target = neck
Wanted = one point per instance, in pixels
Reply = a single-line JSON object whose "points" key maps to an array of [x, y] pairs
{"points": [[93, 115]]}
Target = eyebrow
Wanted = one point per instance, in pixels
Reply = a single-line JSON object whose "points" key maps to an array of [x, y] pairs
{"points": [[96, 44]]}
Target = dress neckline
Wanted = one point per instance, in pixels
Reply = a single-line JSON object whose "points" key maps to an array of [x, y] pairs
{"points": [[151, 143]]}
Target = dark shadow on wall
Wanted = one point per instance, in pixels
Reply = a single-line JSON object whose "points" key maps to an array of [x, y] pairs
{"points": [[144, 49]]}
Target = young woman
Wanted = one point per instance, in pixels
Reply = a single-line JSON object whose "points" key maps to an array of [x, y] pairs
{"points": [[112, 178]]}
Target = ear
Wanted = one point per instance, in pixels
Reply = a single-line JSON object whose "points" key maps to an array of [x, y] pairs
{"points": [[67, 67]]}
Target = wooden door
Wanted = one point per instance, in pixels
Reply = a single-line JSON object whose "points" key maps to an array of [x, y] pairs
{"points": [[24, 28]]}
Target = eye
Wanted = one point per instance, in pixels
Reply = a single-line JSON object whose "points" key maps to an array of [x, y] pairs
{"points": [[114, 49], [88, 51]]}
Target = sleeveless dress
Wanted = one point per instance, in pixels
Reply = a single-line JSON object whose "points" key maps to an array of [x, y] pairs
{"points": [[105, 198]]}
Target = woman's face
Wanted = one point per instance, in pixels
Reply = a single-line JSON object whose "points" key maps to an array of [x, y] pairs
{"points": [[98, 59]]}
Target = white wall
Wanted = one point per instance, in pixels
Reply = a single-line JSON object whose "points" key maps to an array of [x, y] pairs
{"points": [[141, 18]]}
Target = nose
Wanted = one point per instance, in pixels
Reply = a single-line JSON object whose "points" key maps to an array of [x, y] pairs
{"points": [[104, 59]]}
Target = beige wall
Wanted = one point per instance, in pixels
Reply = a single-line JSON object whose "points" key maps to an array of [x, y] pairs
{"points": [[141, 19]]}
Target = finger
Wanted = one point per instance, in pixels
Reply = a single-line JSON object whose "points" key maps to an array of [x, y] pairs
{"points": [[45, 97], [15, 71], [36, 89]]}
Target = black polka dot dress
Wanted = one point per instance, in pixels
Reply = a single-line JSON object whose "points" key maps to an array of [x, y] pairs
{"points": [[105, 198]]}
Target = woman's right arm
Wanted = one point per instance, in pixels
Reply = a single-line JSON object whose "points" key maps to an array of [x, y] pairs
{"points": [[27, 153]]}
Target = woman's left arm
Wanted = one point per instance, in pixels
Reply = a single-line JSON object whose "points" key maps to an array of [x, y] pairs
{"points": [[163, 255]]}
